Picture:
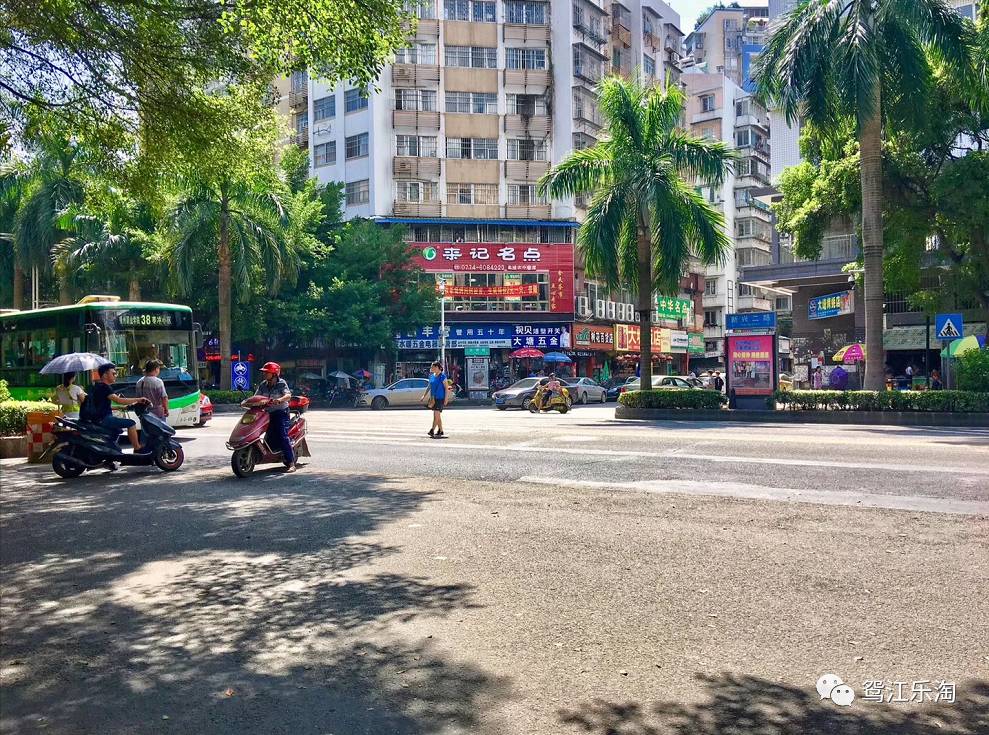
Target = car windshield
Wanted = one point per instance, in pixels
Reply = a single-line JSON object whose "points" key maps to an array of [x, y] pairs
{"points": [[524, 383]]}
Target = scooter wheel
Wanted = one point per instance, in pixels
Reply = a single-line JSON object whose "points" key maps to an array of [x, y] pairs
{"points": [[169, 458], [242, 461], [64, 469], [564, 408]]}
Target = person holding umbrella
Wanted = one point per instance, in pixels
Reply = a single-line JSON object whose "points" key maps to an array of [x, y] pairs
{"points": [[69, 396]]}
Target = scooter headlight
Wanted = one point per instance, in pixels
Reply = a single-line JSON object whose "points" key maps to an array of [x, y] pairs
{"points": [[248, 418]]}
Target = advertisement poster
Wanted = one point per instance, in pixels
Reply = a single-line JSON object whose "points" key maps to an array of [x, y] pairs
{"points": [[513, 291], [477, 373], [593, 337], [832, 305], [750, 365], [554, 259], [627, 338]]}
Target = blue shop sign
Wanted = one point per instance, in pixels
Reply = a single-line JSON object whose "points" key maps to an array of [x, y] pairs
{"points": [[755, 320], [831, 305]]}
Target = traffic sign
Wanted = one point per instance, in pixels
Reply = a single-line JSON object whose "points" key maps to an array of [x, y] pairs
{"points": [[948, 326], [240, 375]]}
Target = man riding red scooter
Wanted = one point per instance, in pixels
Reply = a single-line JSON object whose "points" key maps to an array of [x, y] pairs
{"points": [[269, 412]]}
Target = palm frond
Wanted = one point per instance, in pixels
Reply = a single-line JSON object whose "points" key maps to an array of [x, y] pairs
{"points": [[579, 172], [693, 157], [620, 101], [598, 236]]}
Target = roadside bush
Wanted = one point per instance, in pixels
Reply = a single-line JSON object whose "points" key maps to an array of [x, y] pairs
{"points": [[226, 396], [13, 415], [4, 391], [890, 400], [973, 371], [675, 399]]}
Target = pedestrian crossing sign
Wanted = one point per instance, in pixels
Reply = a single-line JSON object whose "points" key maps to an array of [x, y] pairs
{"points": [[948, 326]]}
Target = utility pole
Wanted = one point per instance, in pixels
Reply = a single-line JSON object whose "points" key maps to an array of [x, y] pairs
{"points": [[443, 324]]}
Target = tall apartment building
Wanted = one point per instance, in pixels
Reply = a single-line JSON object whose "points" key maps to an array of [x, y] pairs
{"points": [[451, 143], [728, 40], [720, 109]]}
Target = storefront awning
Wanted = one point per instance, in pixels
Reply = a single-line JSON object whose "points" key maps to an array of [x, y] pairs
{"points": [[912, 337]]}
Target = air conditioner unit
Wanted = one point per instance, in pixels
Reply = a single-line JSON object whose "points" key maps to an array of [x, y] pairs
{"points": [[583, 306], [599, 308], [625, 312], [612, 308]]}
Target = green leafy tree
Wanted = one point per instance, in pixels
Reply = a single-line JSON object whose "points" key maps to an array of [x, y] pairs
{"points": [[831, 60], [645, 220]]}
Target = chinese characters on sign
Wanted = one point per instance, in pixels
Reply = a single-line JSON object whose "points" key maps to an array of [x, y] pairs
{"points": [[750, 365], [554, 335], [835, 304], [594, 337], [163, 319], [925, 690], [627, 339], [668, 308], [526, 289]]}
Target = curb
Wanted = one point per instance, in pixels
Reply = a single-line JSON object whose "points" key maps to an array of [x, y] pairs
{"points": [[874, 418]]}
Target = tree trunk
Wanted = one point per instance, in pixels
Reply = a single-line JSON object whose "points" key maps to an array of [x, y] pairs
{"points": [[223, 256], [64, 289], [645, 311], [870, 147], [18, 284], [134, 290]]}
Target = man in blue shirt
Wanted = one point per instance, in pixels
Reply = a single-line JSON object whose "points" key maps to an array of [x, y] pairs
{"points": [[276, 389], [98, 408], [436, 392]]}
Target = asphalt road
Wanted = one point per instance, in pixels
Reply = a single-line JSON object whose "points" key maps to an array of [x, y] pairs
{"points": [[529, 574]]}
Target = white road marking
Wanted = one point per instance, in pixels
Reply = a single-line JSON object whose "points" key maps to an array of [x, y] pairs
{"points": [[759, 492]]}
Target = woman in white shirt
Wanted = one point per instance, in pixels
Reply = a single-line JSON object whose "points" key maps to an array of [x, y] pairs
{"points": [[69, 396]]}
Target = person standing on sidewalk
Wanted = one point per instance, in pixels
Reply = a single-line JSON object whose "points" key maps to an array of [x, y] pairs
{"points": [[435, 394], [153, 388]]}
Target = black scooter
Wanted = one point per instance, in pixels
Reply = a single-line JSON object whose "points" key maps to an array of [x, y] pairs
{"points": [[81, 446]]}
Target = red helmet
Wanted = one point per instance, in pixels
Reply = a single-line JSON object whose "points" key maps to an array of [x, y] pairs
{"points": [[271, 367]]}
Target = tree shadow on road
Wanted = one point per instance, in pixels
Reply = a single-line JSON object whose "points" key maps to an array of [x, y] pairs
{"points": [[748, 705], [195, 604]]}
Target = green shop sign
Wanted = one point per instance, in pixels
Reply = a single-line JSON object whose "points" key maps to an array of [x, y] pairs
{"points": [[695, 343], [477, 351], [674, 308]]}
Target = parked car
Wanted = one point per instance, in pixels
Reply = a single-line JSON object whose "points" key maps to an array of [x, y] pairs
{"points": [[517, 395], [616, 384], [586, 390], [404, 392], [667, 382], [205, 409]]}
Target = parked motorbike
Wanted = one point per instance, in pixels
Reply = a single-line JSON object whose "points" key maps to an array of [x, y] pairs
{"points": [[247, 439], [543, 401], [81, 446]]}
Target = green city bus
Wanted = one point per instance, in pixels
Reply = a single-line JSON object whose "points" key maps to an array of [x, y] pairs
{"points": [[127, 332]]}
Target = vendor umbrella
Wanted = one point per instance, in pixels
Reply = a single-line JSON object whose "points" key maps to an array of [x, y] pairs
{"points": [[340, 374], [556, 357], [74, 362], [958, 347], [362, 374], [850, 353], [526, 352]]}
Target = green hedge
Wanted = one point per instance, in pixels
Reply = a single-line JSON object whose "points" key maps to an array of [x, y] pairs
{"points": [[973, 370], [226, 396], [4, 391], [689, 399], [890, 400], [13, 415]]}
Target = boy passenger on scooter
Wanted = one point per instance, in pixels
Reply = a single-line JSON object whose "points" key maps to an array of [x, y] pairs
{"points": [[274, 388]]}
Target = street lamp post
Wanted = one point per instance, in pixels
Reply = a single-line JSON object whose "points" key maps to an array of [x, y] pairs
{"points": [[443, 324]]}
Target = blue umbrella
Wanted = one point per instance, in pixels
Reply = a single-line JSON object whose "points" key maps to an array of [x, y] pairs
{"points": [[556, 357]]}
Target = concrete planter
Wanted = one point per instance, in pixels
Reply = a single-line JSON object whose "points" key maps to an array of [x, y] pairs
{"points": [[13, 446], [875, 418]]}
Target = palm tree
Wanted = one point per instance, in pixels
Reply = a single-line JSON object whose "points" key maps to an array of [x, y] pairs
{"points": [[123, 240], [868, 60], [645, 220], [242, 228]]}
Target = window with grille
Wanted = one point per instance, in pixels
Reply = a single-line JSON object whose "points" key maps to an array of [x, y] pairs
{"points": [[418, 53], [477, 57], [531, 13], [479, 148], [526, 149], [648, 65], [711, 287], [324, 108], [526, 104], [325, 154], [710, 318], [419, 146], [471, 193], [524, 194], [357, 145], [301, 122], [423, 9], [353, 100], [480, 103], [299, 81], [707, 103], [480, 11], [417, 191], [421, 100], [525, 58], [358, 192]]}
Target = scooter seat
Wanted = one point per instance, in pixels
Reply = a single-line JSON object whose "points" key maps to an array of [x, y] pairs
{"points": [[81, 425]]}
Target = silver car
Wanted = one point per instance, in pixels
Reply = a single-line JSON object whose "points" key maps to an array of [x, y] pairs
{"points": [[666, 382], [405, 392], [586, 390]]}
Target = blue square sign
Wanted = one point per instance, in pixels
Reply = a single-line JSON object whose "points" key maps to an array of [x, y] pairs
{"points": [[948, 327]]}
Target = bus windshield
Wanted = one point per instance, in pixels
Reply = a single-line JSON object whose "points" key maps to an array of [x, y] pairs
{"points": [[130, 350]]}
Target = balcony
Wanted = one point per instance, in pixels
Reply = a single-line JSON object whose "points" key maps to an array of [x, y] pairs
{"points": [[761, 241], [706, 116], [714, 332], [408, 167], [426, 28], [520, 32], [298, 98], [746, 181], [536, 79], [622, 34], [527, 211], [712, 300], [752, 118], [416, 119], [753, 303], [474, 211], [531, 125], [525, 170], [415, 75], [418, 209], [300, 139]]}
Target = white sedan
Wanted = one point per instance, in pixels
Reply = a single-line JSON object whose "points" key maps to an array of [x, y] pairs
{"points": [[586, 390], [405, 392]]}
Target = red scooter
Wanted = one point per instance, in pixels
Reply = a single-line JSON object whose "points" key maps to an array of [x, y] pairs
{"points": [[247, 439]]}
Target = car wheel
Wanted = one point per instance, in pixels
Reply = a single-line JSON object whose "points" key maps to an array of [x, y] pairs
{"points": [[583, 398], [501, 408], [379, 403], [526, 402], [604, 396]]}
